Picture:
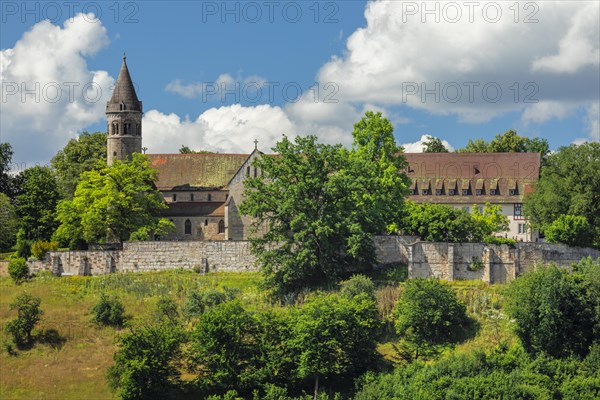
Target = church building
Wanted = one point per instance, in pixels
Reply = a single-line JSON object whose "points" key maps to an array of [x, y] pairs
{"points": [[203, 191]]}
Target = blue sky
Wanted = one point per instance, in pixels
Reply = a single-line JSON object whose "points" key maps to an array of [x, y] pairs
{"points": [[472, 63]]}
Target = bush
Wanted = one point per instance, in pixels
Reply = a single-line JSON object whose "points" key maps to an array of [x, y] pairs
{"points": [[553, 313], [428, 314], [18, 270], [28, 315], [23, 248], [198, 302], [356, 285], [145, 363], [167, 311], [41, 247], [573, 230], [109, 311]]}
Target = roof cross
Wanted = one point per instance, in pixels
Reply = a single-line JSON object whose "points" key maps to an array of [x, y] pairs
{"points": [[255, 144]]}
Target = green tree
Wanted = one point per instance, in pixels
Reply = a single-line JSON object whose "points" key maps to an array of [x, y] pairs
{"points": [[36, 205], [18, 269], [509, 142], [9, 223], [187, 150], [6, 180], [322, 204], [552, 312], [109, 311], [569, 185], [434, 145], [29, 314], [334, 336], [428, 314], [490, 220], [146, 362], [111, 203], [225, 348], [573, 230], [439, 223], [79, 155]]}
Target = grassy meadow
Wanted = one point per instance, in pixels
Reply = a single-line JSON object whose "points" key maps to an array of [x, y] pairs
{"points": [[71, 354]]}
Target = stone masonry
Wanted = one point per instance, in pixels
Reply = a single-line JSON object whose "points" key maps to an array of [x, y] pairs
{"points": [[450, 261]]}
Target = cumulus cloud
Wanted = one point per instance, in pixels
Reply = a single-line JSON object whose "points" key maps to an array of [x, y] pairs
{"points": [[475, 68], [417, 147], [48, 92], [245, 88], [230, 129]]}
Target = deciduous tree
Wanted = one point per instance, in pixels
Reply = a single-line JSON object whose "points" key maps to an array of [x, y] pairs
{"points": [[322, 204], [569, 185], [79, 155], [111, 203], [434, 145], [36, 205]]}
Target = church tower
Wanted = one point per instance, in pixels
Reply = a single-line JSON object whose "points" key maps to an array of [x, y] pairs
{"points": [[124, 117]]}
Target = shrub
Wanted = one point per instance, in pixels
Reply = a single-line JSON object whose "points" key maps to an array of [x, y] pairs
{"points": [[428, 314], [28, 315], [553, 313], [145, 364], [41, 247], [356, 285], [166, 310], [198, 302], [18, 270], [573, 230], [109, 311], [23, 248]]}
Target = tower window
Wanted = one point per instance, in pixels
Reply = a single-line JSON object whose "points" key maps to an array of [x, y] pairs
{"points": [[247, 171], [205, 222], [114, 153], [209, 197], [192, 197], [221, 226], [255, 172], [174, 197], [188, 227]]}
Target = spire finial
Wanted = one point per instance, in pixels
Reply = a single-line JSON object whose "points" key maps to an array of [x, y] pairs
{"points": [[124, 56], [255, 144]]}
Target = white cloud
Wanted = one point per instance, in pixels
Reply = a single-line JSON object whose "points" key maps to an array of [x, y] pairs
{"points": [[547, 110], [417, 147], [477, 69], [230, 129], [219, 88], [48, 93], [579, 47]]}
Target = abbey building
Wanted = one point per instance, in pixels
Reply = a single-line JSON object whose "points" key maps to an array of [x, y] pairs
{"points": [[203, 191]]}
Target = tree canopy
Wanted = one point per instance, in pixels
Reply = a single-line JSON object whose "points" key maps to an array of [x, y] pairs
{"points": [[321, 204], [509, 142], [78, 156], [9, 223], [434, 145], [569, 185], [36, 203], [552, 311], [111, 203]]}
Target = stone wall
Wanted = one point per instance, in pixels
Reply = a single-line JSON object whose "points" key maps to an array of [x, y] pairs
{"points": [[490, 263], [233, 256]]}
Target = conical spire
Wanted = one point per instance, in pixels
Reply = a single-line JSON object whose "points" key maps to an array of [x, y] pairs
{"points": [[124, 93]]}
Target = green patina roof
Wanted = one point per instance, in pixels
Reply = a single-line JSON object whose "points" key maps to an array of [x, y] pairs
{"points": [[181, 171]]}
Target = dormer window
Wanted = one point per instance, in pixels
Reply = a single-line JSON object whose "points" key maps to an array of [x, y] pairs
{"points": [[465, 192], [493, 192], [452, 192], [512, 192], [477, 192], [438, 192], [425, 192]]}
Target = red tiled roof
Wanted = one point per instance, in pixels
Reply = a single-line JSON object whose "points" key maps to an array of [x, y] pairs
{"points": [[180, 171]]}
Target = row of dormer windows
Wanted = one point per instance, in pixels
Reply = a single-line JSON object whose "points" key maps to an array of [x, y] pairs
{"points": [[464, 192], [192, 197]]}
